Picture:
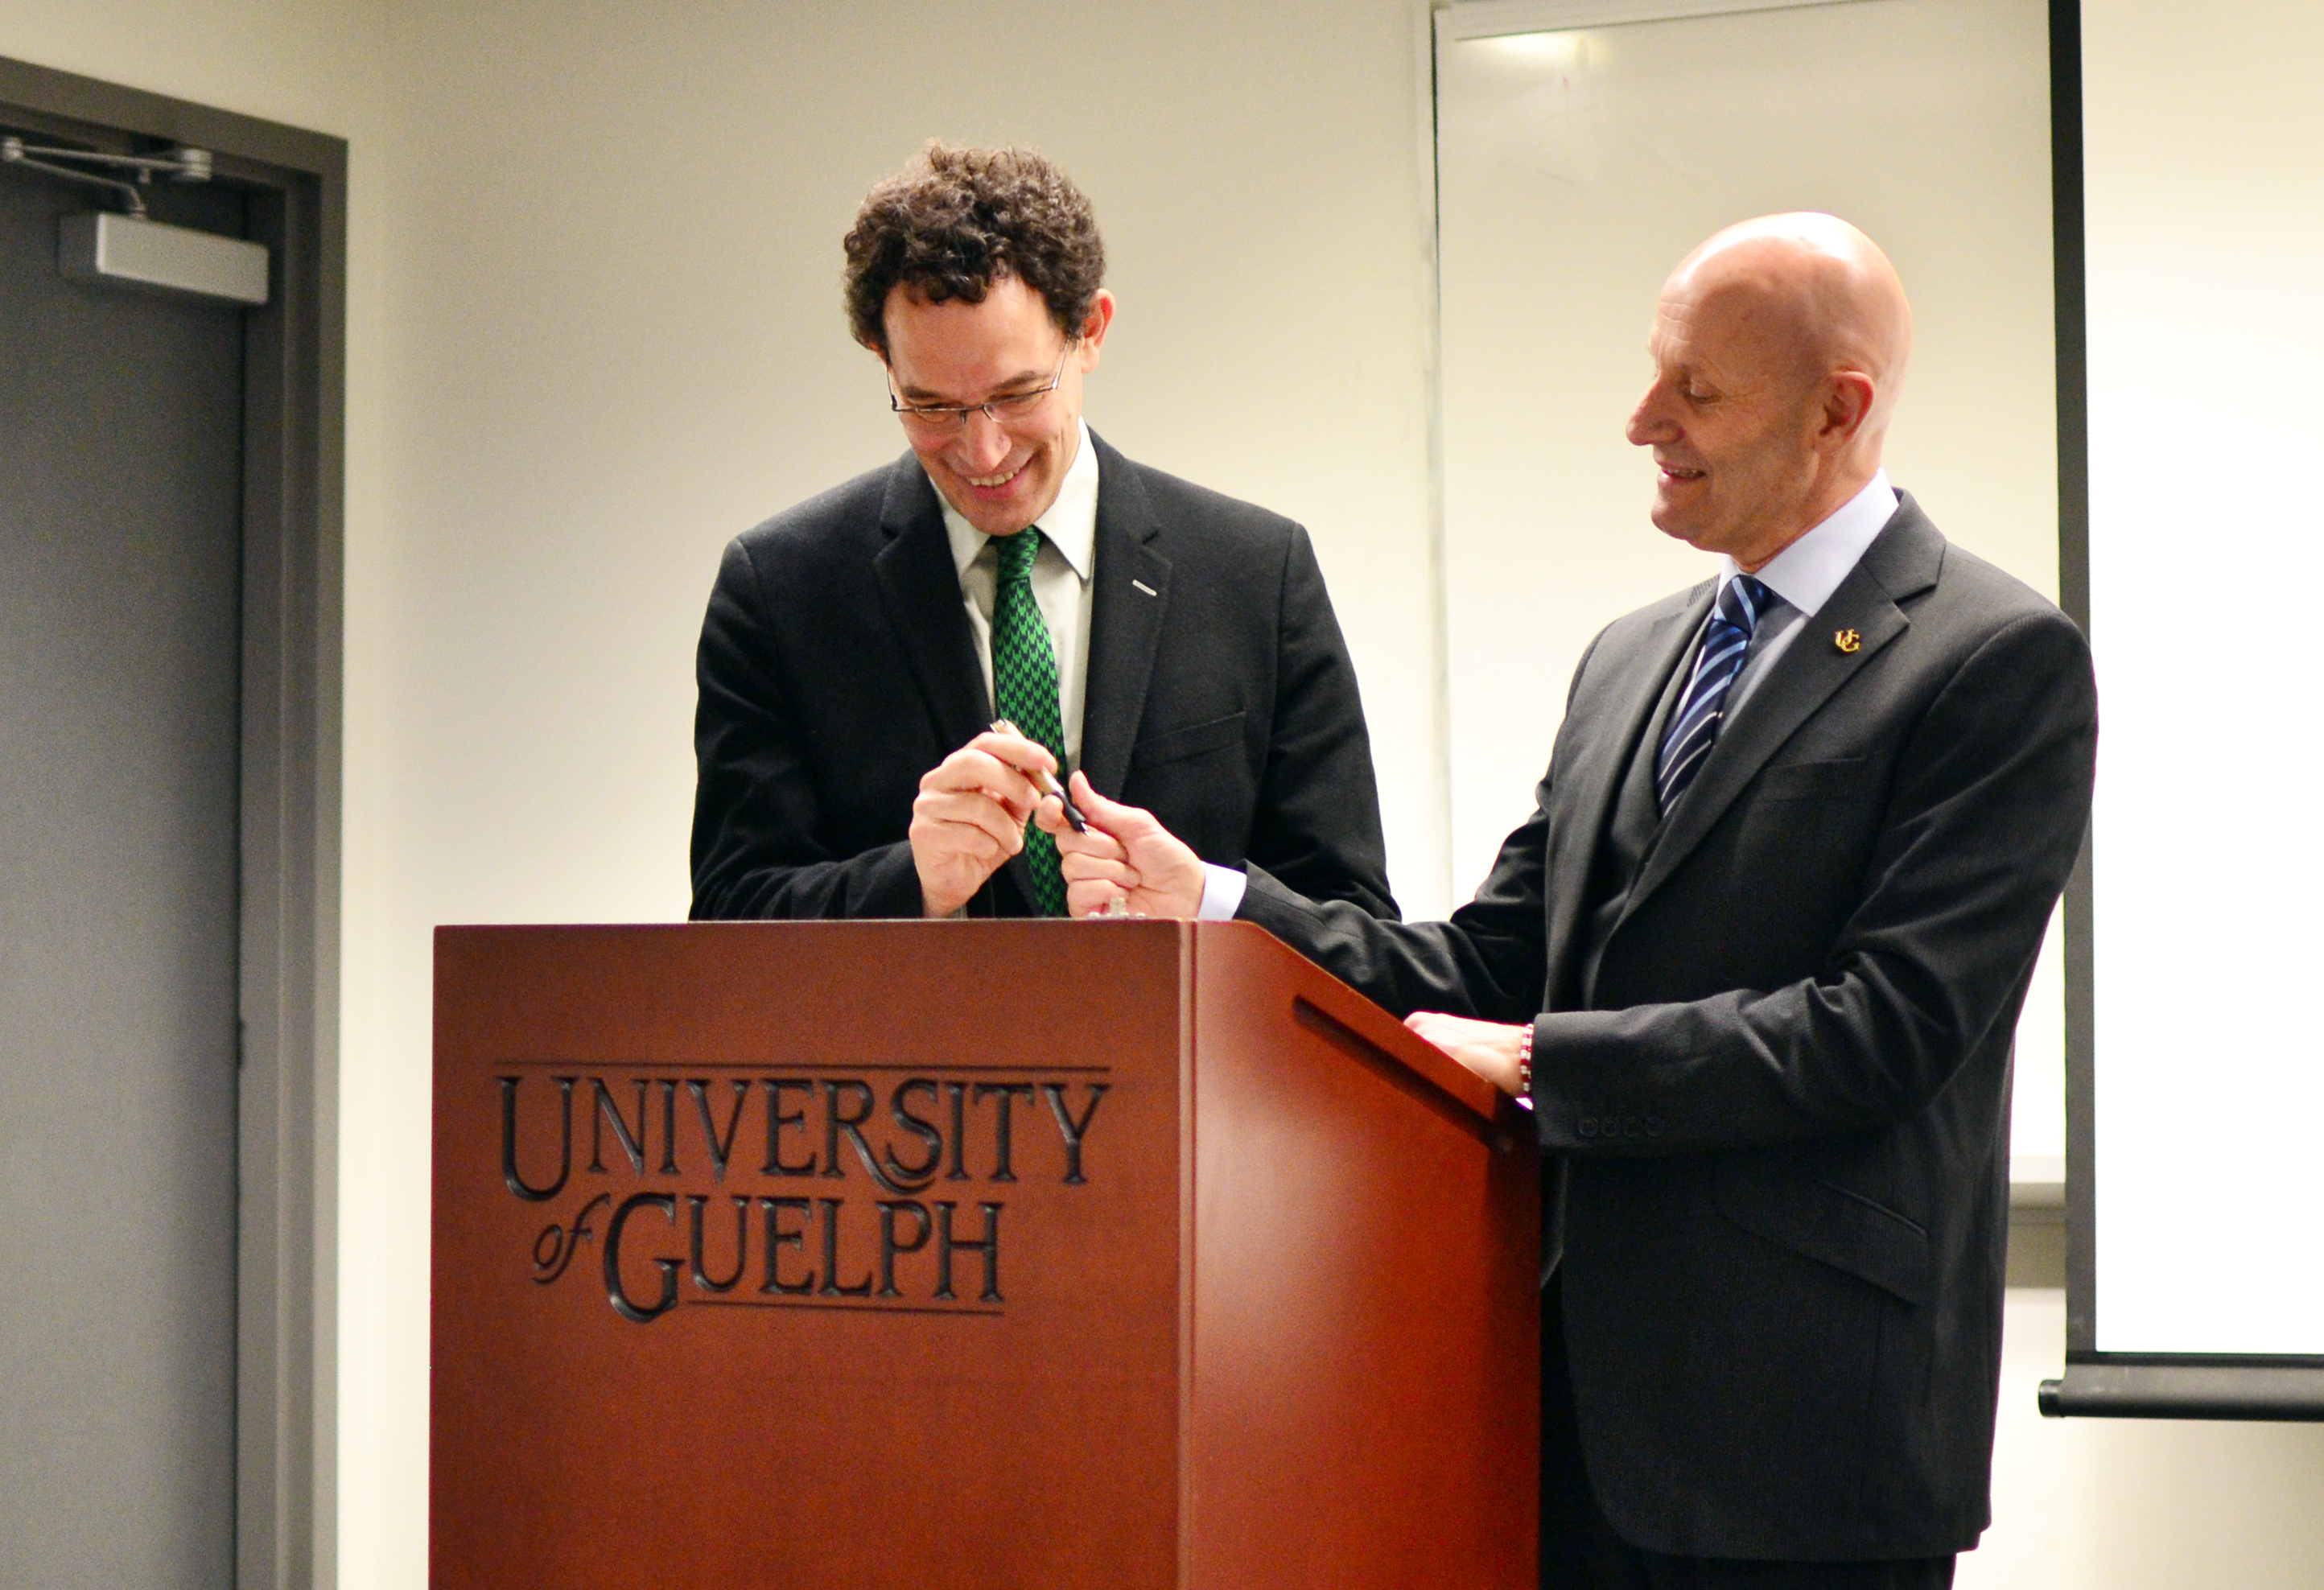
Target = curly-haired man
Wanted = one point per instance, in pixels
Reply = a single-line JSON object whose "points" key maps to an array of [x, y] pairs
{"points": [[1176, 646]]}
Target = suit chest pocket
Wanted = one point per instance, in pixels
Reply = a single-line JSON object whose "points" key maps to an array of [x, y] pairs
{"points": [[1177, 745], [1812, 781]]}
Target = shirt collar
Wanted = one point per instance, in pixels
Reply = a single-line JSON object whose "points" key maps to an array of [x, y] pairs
{"points": [[1070, 525], [1806, 572]]}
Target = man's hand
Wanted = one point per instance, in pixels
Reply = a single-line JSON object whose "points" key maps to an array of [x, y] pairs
{"points": [[1126, 855], [969, 817], [1487, 1048]]}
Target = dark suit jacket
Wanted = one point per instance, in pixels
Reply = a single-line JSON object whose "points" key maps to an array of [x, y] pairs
{"points": [[1783, 1098], [837, 666]]}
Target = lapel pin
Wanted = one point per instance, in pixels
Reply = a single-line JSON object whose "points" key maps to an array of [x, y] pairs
{"points": [[1848, 641], [1142, 585]]}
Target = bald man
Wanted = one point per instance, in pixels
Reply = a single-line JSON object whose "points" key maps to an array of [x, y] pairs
{"points": [[1756, 962]]}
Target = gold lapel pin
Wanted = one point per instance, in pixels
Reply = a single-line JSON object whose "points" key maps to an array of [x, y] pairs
{"points": [[1848, 641]]}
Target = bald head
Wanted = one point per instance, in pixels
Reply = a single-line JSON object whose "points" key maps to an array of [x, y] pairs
{"points": [[1779, 347], [1823, 286]]}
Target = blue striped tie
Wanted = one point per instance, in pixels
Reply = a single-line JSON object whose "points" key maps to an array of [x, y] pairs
{"points": [[1695, 726]]}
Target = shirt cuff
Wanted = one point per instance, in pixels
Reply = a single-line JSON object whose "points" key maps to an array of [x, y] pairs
{"points": [[1223, 888]]}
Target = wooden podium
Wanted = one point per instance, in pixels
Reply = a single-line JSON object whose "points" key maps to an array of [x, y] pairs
{"points": [[967, 1256]]}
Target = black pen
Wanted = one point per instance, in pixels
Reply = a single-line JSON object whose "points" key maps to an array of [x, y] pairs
{"points": [[1048, 780]]}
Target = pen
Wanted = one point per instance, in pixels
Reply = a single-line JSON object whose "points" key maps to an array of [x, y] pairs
{"points": [[1047, 781]]}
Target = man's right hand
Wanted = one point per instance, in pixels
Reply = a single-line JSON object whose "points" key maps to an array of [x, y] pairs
{"points": [[970, 815]]}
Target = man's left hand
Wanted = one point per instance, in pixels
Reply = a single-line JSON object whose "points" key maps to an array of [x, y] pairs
{"points": [[1487, 1048], [1127, 856]]}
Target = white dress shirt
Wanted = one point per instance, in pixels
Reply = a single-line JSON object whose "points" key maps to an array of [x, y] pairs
{"points": [[1061, 585], [1061, 589], [1804, 575]]}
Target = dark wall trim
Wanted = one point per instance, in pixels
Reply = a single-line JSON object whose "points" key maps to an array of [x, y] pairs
{"points": [[2071, 322], [2072, 332], [293, 448]]}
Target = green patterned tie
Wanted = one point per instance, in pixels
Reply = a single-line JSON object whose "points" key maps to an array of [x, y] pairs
{"points": [[1025, 690]]}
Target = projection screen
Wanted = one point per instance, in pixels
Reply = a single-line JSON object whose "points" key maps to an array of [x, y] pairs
{"points": [[2195, 1183]]}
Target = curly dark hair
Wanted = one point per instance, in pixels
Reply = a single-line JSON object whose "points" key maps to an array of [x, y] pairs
{"points": [[956, 220]]}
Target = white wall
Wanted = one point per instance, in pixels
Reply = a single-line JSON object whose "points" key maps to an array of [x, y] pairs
{"points": [[594, 331], [1596, 156], [616, 341], [613, 286]]}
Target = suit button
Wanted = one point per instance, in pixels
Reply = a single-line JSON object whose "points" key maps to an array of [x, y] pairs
{"points": [[1588, 1127], [1654, 1126]]}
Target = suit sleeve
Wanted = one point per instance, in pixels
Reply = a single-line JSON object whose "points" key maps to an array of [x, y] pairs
{"points": [[755, 850], [1317, 825], [1986, 817], [1490, 961]]}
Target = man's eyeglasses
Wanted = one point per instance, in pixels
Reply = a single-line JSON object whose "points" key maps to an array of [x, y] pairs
{"points": [[942, 419]]}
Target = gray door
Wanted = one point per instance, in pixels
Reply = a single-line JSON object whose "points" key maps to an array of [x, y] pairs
{"points": [[120, 593]]}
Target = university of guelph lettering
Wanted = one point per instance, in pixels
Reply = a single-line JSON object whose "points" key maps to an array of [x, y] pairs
{"points": [[788, 1190]]}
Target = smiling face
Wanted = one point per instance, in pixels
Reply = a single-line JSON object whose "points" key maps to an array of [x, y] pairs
{"points": [[1733, 418], [1778, 349], [1001, 476]]}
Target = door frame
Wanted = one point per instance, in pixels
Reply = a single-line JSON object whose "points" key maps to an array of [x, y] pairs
{"points": [[292, 586]]}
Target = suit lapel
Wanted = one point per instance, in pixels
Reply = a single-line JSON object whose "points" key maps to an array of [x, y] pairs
{"points": [[920, 588], [1125, 621], [1602, 761], [1902, 562]]}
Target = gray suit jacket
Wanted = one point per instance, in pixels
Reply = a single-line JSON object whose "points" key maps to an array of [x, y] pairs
{"points": [[1783, 1098]]}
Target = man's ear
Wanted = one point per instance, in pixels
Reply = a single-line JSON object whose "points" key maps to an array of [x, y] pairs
{"points": [[1094, 327], [1847, 396]]}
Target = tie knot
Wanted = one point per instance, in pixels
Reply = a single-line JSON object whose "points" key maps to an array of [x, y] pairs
{"points": [[1742, 601], [1017, 553]]}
